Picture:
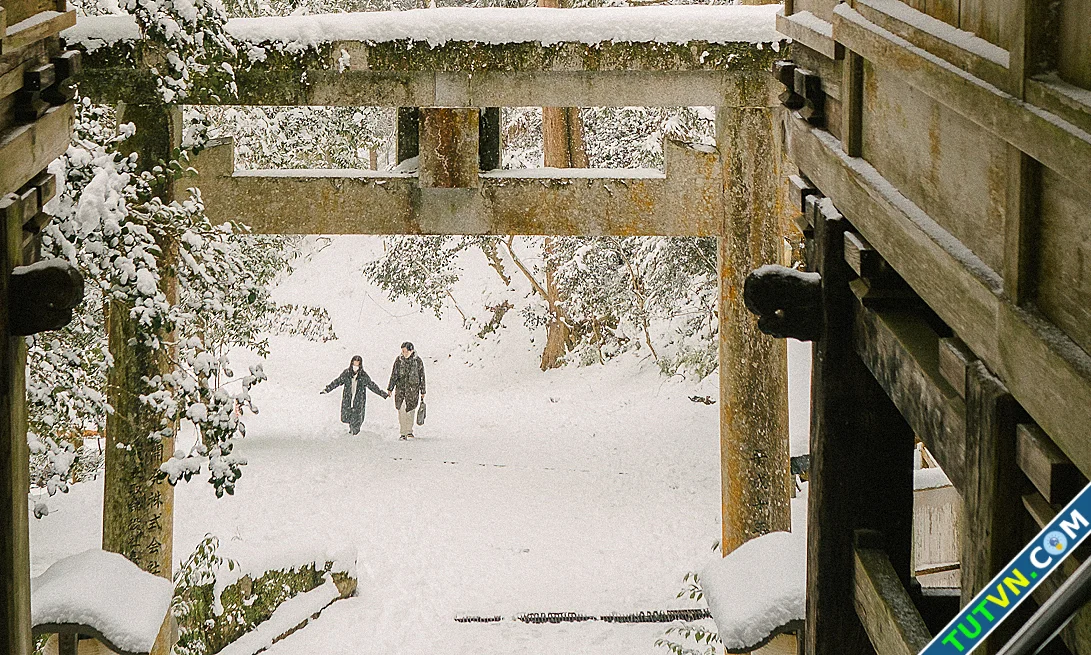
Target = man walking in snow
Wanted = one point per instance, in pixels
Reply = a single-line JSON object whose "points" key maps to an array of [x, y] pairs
{"points": [[407, 384], [353, 398]]}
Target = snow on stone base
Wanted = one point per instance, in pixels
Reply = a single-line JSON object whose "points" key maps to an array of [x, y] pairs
{"points": [[493, 25], [106, 592]]}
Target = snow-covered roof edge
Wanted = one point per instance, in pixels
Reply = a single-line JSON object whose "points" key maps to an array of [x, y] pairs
{"points": [[494, 26]]}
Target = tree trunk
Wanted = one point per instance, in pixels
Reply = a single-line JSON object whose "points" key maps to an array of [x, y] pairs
{"points": [[138, 512], [562, 147]]}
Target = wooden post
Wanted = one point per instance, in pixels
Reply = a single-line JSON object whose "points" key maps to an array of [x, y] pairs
{"points": [[138, 514], [991, 532], [861, 473], [15, 635], [753, 367]]}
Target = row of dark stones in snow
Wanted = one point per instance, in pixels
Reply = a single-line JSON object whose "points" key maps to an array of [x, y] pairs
{"points": [[657, 616]]}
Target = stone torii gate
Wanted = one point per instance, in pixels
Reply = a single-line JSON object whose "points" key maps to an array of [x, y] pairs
{"points": [[734, 191]]}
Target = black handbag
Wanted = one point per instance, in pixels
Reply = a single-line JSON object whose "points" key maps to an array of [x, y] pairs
{"points": [[421, 411]]}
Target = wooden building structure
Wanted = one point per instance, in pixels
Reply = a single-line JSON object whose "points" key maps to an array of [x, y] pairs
{"points": [[944, 158], [36, 115]]}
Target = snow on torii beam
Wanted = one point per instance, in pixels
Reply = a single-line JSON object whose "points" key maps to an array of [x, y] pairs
{"points": [[645, 56], [686, 201]]}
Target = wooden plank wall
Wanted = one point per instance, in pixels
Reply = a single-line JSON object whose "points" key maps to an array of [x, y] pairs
{"points": [[958, 191]]}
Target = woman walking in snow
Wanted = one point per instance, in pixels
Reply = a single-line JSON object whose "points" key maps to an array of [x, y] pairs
{"points": [[407, 383], [353, 398]]}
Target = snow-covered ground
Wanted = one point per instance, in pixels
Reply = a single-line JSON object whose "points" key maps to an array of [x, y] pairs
{"points": [[591, 490]]}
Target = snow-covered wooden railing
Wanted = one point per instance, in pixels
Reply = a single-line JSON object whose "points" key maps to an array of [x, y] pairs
{"points": [[104, 596], [652, 56], [685, 200]]}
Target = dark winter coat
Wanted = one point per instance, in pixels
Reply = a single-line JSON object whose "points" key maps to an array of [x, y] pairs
{"points": [[352, 408], [407, 381]]}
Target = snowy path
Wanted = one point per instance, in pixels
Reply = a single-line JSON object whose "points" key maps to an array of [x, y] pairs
{"points": [[585, 489]]}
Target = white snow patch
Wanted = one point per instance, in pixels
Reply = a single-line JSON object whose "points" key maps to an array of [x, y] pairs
{"points": [[663, 24], [577, 173], [104, 591], [760, 586], [930, 478]]}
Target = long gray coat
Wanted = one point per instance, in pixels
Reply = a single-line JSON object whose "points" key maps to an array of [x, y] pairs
{"points": [[352, 408], [407, 381]]}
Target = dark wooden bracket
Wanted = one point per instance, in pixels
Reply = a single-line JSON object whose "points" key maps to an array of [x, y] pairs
{"points": [[784, 71], [788, 302], [43, 295]]}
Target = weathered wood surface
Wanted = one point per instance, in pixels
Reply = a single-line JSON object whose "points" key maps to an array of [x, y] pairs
{"points": [[991, 538], [922, 27], [1053, 142], [688, 201], [27, 32], [1051, 379], [1074, 43], [901, 351], [754, 447], [27, 149], [937, 536], [861, 448], [886, 611], [811, 31], [1063, 250], [14, 458], [938, 160], [1053, 474]]}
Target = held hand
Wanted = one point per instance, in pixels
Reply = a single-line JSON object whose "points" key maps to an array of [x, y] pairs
{"points": [[322, 392]]}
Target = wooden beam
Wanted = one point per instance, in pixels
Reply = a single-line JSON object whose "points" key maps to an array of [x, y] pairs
{"points": [[1050, 140], [900, 349], [939, 38], [686, 201], [304, 86], [40, 26], [27, 149], [954, 357], [888, 614], [1053, 474], [1021, 219], [1049, 375], [852, 104], [810, 30]]}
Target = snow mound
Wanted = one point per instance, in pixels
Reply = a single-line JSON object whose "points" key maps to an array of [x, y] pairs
{"points": [[106, 592], [493, 25], [758, 588], [761, 586]]}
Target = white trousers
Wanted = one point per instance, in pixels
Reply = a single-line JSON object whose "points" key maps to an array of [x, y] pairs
{"points": [[406, 419]]}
